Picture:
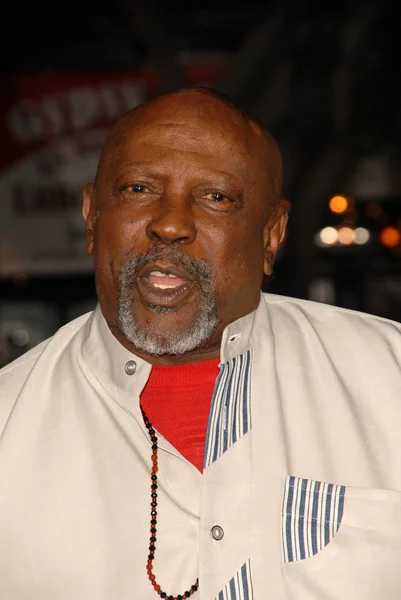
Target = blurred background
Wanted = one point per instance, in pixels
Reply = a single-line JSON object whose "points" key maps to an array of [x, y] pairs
{"points": [[323, 77]]}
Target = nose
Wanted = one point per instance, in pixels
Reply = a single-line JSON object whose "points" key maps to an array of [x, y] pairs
{"points": [[172, 222]]}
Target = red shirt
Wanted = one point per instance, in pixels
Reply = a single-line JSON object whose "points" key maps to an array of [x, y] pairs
{"points": [[177, 401]]}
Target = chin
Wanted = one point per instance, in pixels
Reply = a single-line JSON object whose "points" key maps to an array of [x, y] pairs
{"points": [[168, 336]]}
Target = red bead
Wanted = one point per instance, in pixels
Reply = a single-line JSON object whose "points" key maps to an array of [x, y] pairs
{"points": [[155, 469], [156, 587]]}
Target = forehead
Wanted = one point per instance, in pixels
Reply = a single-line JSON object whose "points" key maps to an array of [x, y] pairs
{"points": [[189, 123]]}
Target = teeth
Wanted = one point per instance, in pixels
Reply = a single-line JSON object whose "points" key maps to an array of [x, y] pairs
{"points": [[161, 286], [160, 274], [157, 274]]}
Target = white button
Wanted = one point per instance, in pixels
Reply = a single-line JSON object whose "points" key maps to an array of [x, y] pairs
{"points": [[130, 367], [217, 532]]}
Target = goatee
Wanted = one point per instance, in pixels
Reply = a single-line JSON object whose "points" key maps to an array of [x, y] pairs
{"points": [[205, 320]]}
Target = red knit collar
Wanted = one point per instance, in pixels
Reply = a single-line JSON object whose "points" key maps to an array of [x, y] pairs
{"points": [[183, 375]]}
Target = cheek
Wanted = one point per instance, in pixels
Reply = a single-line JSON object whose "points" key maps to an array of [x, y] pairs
{"points": [[115, 237], [111, 244], [237, 264]]}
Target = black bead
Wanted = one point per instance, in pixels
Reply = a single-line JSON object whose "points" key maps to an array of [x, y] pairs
{"points": [[153, 530], [163, 595], [151, 556], [171, 597], [153, 513], [194, 587], [154, 446], [153, 522], [152, 539], [154, 486], [152, 547], [154, 477], [187, 595], [179, 597], [154, 504]]}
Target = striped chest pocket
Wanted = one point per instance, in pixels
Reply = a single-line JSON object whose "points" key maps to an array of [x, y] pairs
{"points": [[311, 516]]}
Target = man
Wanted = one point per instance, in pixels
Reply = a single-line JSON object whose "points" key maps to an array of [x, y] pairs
{"points": [[192, 436]]}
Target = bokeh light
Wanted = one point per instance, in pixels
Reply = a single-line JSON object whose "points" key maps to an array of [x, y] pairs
{"points": [[328, 236], [390, 237], [338, 204], [373, 210], [346, 235], [361, 236]]}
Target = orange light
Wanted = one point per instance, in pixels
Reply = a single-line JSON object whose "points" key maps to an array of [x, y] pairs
{"points": [[338, 204], [390, 237]]}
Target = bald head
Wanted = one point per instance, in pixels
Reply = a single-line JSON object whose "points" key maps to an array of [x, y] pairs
{"points": [[185, 109]]}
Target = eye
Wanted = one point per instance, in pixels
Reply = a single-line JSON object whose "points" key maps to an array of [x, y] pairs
{"points": [[218, 201], [139, 193], [216, 197], [137, 188]]}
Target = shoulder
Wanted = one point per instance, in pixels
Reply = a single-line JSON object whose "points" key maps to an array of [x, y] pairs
{"points": [[325, 319], [13, 377]]}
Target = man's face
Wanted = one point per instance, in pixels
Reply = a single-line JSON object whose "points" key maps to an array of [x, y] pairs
{"points": [[179, 226]]}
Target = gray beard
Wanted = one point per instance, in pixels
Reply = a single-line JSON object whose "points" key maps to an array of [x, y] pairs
{"points": [[206, 318]]}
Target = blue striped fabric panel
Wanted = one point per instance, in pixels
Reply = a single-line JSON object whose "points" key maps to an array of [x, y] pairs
{"points": [[240, 586], [230, 414], [312, 513]]}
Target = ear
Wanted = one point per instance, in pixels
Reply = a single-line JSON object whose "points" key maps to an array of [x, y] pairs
{"points": [[89, 213], [274, 235]]}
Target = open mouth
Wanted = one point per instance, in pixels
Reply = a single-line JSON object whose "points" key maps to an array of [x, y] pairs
{"points": [[164, 285], [165, 281]]}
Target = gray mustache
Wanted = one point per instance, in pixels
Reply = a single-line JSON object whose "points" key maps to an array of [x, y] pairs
{"points": [[196, 267]]}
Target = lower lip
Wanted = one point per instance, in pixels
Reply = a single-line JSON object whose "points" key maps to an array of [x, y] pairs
{"points": [[163, 297]]}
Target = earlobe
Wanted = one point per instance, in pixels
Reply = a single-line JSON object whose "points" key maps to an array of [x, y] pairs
{"points": [[274, 236], [89, 214]]}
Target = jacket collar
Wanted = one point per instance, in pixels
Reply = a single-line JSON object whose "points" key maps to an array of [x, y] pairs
{"points": [[124, 374]]}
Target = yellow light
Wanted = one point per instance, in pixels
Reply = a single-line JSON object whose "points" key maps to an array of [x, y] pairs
{"points": [[338, 204], [346, 235], [390, 237], [328, 236]]}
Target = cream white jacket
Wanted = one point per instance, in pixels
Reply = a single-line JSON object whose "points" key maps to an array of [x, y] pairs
{"points": [[302, 466]]}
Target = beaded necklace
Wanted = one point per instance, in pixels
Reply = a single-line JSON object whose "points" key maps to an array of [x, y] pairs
{"points": [[153, 519]]}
